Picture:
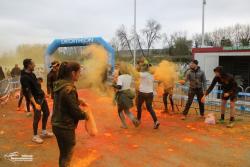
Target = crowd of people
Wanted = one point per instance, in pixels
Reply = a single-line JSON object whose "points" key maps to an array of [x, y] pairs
{"points": [[69, 109], [196, 80]]}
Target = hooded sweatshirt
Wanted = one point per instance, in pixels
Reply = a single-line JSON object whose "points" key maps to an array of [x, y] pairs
{"points": [[196, 78], [66, 108]]}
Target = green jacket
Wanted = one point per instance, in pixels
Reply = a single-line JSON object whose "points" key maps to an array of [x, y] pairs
{"points": [[125, 98], [66, 110]]}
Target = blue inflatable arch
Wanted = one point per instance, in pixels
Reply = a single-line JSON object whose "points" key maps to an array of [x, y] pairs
{"points": [[79, 42]]}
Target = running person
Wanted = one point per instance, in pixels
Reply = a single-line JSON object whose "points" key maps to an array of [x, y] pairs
{"points": [[168, 93], [125, 96], [146, 94]]}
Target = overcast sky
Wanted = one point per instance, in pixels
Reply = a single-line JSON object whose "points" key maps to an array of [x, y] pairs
{"points": [[40, 21]]}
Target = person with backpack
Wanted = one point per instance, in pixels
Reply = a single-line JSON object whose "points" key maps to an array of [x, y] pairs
{"points": [[125, 96]]}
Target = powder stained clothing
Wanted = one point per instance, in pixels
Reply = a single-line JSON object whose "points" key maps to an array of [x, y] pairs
{"points": [[228, 85], [146, 82], [66, 110], [197, 84], [124, 81], [124, 95], [65, 118]]}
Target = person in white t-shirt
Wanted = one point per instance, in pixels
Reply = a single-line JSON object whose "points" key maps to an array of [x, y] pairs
{"points": [[124, 97], [145, 94]]}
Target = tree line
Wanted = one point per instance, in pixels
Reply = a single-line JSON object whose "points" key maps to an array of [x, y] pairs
{"points": [[177, 43]]}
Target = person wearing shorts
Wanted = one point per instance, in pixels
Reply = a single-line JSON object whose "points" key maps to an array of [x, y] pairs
{"points": [[229, 88]]}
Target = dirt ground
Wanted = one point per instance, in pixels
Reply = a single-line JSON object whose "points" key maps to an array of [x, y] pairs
{"points": [[176, 143]]}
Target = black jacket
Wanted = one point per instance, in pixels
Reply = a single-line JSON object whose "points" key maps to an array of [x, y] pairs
{"points": [[51, 78], [2, 76], [16, 71], [30, 86], [228, 84], [66, 110]]}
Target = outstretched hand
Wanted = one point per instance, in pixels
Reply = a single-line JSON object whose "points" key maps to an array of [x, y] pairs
{"points": [[203, 99], [83, 103], [182, 82], [37, 106], [226, 94]]}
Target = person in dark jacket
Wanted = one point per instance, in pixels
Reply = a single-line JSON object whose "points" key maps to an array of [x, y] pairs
{"points": [[52, 77], [197, 85], [2, 76], [168, 92], [33, 91], [229, 88], [15, 72], [21, 96], [66, 110]]}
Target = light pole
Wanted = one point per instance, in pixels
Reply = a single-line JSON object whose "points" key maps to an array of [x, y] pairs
{"points": [[135, 35], [203, 23]]}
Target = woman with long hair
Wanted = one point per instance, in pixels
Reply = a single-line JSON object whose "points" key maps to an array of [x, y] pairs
{"points": [[67, 111]]}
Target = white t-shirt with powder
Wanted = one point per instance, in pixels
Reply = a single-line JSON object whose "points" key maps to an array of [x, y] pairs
{"points": [[124, 81], [146, 82]]}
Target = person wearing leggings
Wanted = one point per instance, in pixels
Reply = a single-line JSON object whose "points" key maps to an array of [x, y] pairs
{"points": [[146, 95]]}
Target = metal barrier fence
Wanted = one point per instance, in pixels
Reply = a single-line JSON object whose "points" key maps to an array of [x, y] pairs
{"points": [[213, 100], [7, 88]]}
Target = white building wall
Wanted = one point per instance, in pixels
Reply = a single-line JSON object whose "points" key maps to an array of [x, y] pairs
{"points": [[208, 61]]}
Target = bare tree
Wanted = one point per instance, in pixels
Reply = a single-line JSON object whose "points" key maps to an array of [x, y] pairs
{"points": [[124, 39], [241, 34], [177, 44], [151, 33], [233, 35]]}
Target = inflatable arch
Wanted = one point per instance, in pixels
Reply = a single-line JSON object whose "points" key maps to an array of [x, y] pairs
{"points": [[79, 42]]}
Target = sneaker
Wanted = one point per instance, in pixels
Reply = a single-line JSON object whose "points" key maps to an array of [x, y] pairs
{"points": [[156, 125], [28, 114], [202, 117], [230, 124], [165, 111], [184, 117], [136, 122], [124, 127], [37, 139], [47, 134]]}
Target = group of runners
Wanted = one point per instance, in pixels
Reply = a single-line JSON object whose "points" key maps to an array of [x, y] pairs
{"points": [[68, 108]]}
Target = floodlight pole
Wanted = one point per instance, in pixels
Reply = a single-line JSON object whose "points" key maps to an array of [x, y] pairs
{"points": [[135, 34], [203, 23]]}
